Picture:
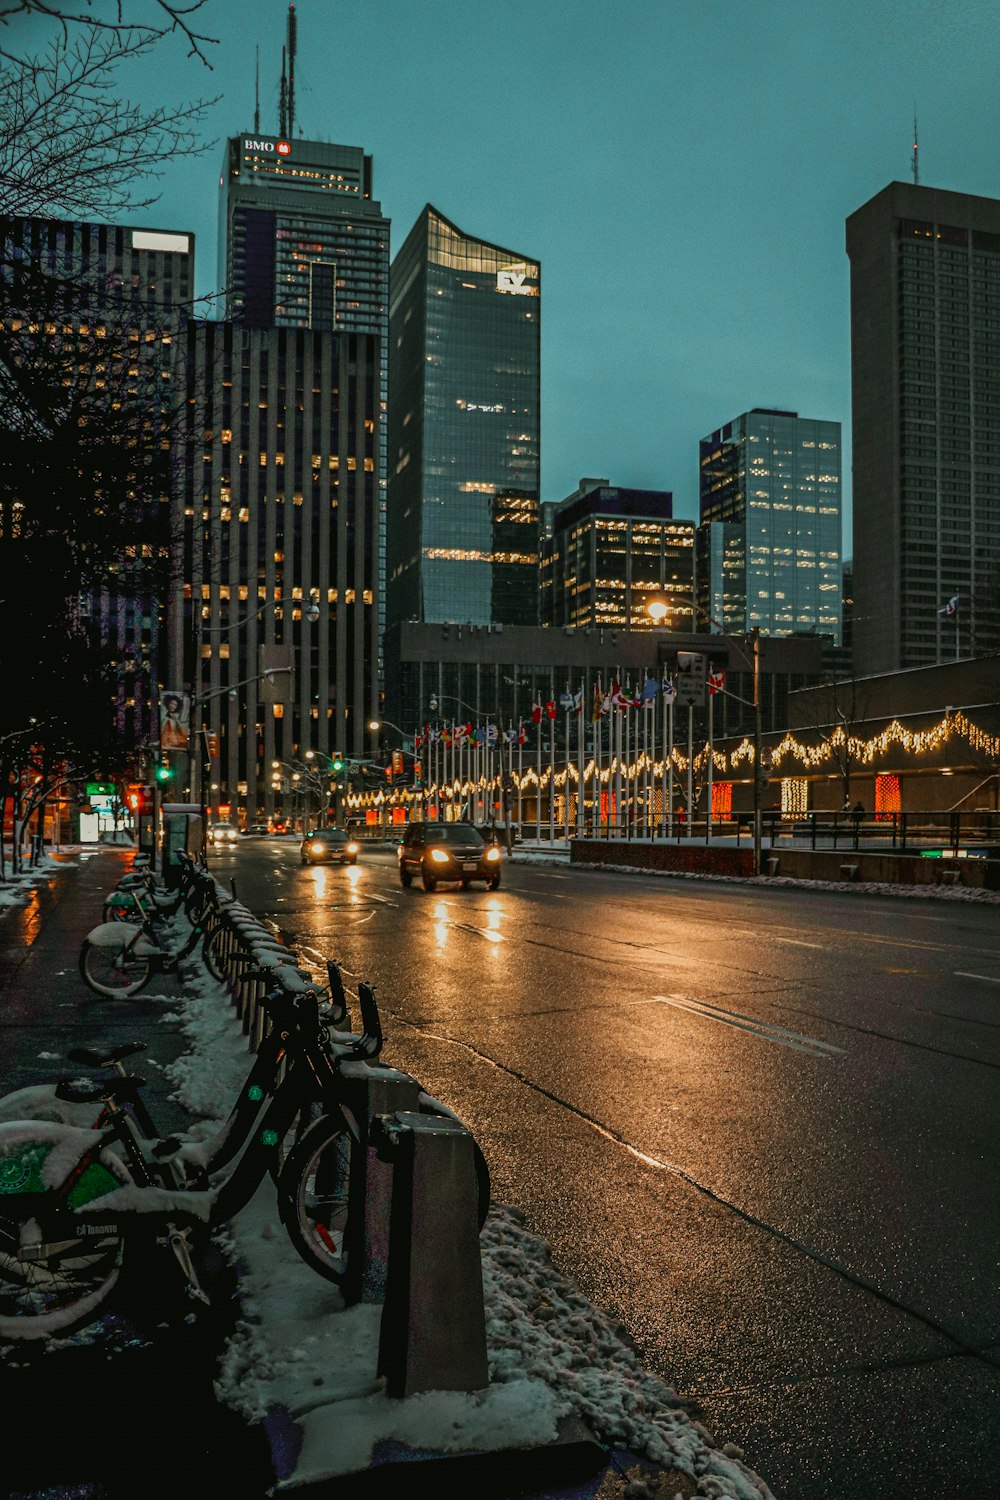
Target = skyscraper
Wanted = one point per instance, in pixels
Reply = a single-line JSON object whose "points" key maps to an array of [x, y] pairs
{"points": [[275, 538], [609, 552], [89, 321], [769, 543], [302, 244], [465, 334], [925, 374]]}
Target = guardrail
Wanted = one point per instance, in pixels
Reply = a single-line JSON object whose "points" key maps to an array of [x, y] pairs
{"points": [[968, 832]]}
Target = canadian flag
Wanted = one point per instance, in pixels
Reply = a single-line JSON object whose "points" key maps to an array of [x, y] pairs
{"points": [[536, 713], [522, 734], [716, 682], [550, 708]]}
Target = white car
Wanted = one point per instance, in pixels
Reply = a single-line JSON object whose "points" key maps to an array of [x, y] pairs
{"points": [[223, 833]]}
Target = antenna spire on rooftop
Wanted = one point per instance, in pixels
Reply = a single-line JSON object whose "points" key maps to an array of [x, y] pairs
{"points": [[291, 70], [283, 101], [916, 151], [256, 96]]}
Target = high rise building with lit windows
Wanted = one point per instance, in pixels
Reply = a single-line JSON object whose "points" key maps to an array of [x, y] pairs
{"points": [[608, 552], [463, 463], [769, 542], [303, 244], [925, 390]]}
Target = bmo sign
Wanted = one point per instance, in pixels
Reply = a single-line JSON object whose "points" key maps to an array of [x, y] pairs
{"points": [[269, 148]]}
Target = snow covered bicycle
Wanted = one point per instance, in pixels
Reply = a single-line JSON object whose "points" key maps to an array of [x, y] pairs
{"points": [[76, 1206]]}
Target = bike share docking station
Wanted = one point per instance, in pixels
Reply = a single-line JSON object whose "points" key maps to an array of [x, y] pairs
{"points": [[416, 1203]]}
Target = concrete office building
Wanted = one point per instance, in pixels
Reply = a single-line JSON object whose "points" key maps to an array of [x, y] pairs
{"points": [[96, 308], [608, 551], [769, 546], [303, 244], [465, 345], [925, 376], [276, 523]]}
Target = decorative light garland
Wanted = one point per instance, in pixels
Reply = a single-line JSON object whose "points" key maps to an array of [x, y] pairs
{"points": [[794, 790]]}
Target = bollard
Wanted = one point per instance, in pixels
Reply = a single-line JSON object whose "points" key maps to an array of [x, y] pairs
{"points": [[371, 1092], [433, 1331]]}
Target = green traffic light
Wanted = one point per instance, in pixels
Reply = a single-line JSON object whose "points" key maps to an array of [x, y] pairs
{"points": [[164, 773], [338, 764]]}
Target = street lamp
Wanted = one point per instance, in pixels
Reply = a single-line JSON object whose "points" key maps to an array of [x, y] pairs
{"points": [[658, 609]]}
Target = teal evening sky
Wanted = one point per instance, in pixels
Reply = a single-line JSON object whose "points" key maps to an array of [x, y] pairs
{"points": [[681, 168]]}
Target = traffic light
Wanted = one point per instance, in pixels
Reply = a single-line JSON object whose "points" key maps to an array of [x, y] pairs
{"points": [[338, 764], [164, 773]]}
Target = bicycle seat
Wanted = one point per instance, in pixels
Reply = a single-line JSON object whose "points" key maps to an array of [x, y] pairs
{"points": [[91, 1090]]}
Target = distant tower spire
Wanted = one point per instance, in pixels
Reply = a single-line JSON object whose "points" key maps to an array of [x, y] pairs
{"points": [[256, 96], [916, 152], [283, 101], [291, 70]]}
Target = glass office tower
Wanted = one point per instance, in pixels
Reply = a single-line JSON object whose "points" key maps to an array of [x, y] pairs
{"points": [[772, 481], [465, 334], [925, 386]]}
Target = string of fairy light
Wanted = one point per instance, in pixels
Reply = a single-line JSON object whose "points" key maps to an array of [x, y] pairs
{"points": [[838, 748]]}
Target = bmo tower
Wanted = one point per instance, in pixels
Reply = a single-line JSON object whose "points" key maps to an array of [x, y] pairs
{"points": [[302, 244]]}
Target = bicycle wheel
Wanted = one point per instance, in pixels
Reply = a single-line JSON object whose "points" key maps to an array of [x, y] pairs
{"points": [[50, 1286], [211, 952], [113, 971], [313, 1197]]}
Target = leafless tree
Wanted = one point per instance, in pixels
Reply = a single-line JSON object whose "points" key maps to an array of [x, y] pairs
{"points": [[166, 17], [71, 145]]}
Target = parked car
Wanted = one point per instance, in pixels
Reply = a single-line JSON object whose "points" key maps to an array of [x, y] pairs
{"points": [[258, 828], [223, 833], [327, 846], [447, 851]]}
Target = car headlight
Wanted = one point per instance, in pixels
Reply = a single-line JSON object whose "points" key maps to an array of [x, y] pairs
{"points": [[316, 848], [352, 848], [439, 856], [493, 852]]}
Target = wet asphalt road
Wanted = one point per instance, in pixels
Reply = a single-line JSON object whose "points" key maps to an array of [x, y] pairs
{"points": [[758, 1125]]}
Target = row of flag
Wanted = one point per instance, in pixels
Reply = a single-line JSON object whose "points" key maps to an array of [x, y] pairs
{"points": [[604, 702]]}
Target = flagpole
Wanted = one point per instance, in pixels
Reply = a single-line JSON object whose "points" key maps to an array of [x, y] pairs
{"points": [[569, 756], [520, 768], [538, 777], [581, 750], [670, 804], [552, 776], [690, 775], [711, 765]]}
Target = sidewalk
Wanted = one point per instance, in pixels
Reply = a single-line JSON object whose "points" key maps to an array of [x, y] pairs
{"points": [[274, 1391]]}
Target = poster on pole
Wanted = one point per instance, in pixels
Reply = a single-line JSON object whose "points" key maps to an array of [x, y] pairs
{"points": [[175, 721]]}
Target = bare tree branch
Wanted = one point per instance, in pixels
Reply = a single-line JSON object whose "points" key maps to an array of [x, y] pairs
{"points": [[70, 145], [169, 17]]}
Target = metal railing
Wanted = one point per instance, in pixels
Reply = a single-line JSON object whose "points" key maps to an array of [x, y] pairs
{"points": [[972, 832]]}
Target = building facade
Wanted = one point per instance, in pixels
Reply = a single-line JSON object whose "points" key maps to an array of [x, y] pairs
{"points": [[303, 244], [277, 548], [607, 552], [464, 430], [771, 480], [925, 378], [91, 314]]}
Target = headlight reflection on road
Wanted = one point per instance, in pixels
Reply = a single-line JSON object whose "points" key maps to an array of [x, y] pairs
{"points": [[353, 880], [320, 876], [494, 911], [442, 922]]}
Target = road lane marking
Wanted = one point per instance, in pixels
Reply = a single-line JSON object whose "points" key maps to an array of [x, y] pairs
{"points": [[767, 1031], [986, 978], [799, 943]]}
